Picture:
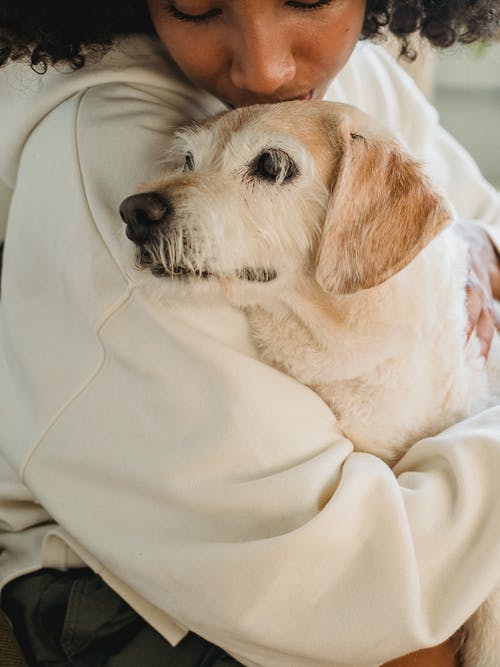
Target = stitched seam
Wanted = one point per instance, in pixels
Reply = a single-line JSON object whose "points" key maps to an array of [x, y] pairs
{"points": [[75, 600], [84, 190], [112, 311], [79, 391]]}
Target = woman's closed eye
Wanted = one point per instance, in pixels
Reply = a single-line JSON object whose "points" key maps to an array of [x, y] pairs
{"points": [[194, 17], [207, 15], [318, 4]]}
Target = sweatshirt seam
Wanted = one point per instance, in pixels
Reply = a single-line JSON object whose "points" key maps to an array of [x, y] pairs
{"points": [[58, 414], [84, 188], [111, 311]]}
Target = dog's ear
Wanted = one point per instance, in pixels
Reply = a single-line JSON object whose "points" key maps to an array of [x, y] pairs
{"points": [[382, 212]]}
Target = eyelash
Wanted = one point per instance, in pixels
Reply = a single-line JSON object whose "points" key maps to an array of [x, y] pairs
{"points": [[319, 4], [180, 16], [213, 13]]}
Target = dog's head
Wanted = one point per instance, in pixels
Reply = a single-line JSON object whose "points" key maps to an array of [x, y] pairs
{"points": [[262, 195]]}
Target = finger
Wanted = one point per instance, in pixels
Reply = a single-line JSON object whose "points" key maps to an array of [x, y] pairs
{"points": [[496, 318], [494, 276], [491, 264], [485, 329], [474, 300], [483, 255]]}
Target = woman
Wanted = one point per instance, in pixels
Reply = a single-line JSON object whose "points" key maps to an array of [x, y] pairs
{"points": [[210, 492]]}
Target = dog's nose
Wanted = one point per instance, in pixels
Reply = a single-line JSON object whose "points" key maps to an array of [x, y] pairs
{"points": [[143, 213]]}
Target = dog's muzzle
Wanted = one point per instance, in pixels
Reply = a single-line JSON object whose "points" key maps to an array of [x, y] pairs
{"points": [[143, 213]]}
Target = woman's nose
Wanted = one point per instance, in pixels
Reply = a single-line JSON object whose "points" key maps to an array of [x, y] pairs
{"points": [[261, 63]]}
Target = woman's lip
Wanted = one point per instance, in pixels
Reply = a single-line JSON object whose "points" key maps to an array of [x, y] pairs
{"points": [[307, 96], [298, 98]]}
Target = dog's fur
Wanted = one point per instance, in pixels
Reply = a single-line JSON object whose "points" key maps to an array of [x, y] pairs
{"points": [[316, 221]]}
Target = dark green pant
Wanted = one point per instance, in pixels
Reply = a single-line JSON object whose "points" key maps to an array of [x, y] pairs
{"points": [[74, 618]]}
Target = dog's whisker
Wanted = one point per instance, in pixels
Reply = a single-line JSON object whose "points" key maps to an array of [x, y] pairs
{"points": [[260, 274]]}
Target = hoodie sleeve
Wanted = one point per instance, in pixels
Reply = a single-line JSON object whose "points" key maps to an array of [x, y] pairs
{"points": [[206, 487]]}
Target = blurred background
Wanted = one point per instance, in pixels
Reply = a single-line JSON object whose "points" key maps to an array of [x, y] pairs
{"points": [[463, 83], [467, 95]]}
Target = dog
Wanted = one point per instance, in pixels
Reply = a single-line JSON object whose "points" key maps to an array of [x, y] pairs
{"points": [[316, 221]]}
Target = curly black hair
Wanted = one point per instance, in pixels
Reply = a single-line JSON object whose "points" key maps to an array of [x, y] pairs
{"points": [[58, 31]]}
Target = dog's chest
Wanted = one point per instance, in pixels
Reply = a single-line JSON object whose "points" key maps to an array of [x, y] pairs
{"points": [[386, 394]]}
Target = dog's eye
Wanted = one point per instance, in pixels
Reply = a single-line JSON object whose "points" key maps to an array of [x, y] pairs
{"points": [[188, 161], [274, 165]]}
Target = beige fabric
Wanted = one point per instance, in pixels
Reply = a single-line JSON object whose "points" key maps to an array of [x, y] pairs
{"points": [[211, 491]]}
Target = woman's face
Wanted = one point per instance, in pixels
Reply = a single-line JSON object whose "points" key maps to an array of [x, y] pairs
{"points": [[259, 51]]}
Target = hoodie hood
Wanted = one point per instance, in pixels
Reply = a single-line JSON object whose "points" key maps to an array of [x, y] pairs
{"points": [[26, 97]]}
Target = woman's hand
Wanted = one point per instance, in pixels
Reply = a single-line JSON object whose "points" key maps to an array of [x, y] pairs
{"points": [[439, 656], [483, 284]]}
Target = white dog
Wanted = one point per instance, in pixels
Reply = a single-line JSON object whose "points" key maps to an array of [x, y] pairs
{"points": [[315, 220]]}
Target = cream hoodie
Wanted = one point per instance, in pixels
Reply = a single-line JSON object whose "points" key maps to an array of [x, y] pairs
{"points": [[210, 491]]}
